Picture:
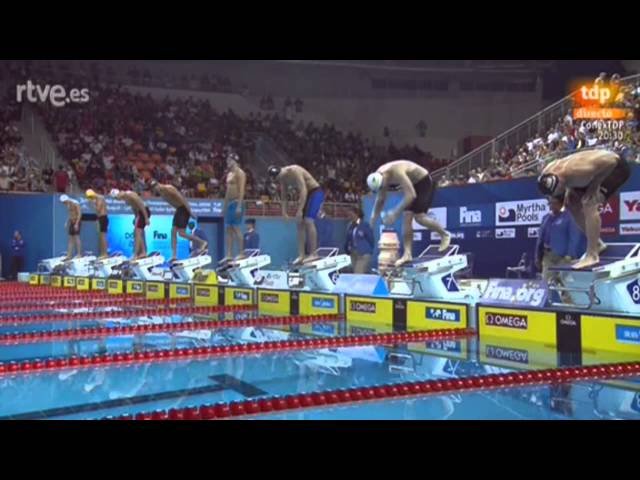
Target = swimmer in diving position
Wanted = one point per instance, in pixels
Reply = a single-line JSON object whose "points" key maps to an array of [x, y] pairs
{"points": [[418, 188], [141, 221], [100, 207], [311, 198], [586, 180], [173, 197], [73, 226]]}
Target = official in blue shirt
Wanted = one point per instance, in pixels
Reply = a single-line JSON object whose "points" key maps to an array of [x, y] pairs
{"points": [[196, 232], [17, 254], [251, 237], [559, 239], [359, 242]]}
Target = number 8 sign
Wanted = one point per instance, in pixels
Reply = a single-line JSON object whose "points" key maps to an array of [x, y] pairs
{"points": [[634, 291]]}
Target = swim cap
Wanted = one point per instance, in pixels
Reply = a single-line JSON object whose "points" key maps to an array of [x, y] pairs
{"points": [[153, 184], [114, 192], [547, 183], [374, 181], [233, 157], [274, 171], [90, 193], [64, 198]]}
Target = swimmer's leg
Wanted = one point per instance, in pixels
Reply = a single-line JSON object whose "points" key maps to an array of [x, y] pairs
{"points": [[312, 238], [407, 238], [593, 223], [445, 238]]}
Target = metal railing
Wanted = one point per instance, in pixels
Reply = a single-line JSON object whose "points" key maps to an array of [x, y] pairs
{"points": [[273, 208], [514, 137]]}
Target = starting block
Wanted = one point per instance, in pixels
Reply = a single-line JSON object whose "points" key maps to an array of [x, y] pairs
{"points": [[432, 276], [76, 267], [147, 268], [184, 270], [319, 275], [244, 272], [104, 267], [613, 285], [48, 264]]}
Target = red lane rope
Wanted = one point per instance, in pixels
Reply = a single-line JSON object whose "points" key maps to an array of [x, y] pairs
{"points": [[201, 353], [358, 395], [99, 332], [35, 318]]}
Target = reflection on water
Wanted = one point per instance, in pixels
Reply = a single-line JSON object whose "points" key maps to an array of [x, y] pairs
{"points": [[101, 392]]}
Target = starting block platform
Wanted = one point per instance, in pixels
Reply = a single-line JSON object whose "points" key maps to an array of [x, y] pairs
{"points": [[610, 286]]}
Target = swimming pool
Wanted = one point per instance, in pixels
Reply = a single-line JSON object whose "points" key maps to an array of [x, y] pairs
{"points": [[102, 372]]}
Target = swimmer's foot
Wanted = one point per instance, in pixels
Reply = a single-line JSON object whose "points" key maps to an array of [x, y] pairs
{"points": [[586, 262], [225, 260], [601, 246], [298, 261], [240, 256], [444, 242], [102, 257], [403, 260]]}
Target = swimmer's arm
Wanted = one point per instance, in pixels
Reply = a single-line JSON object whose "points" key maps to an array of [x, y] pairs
{"points": [[285, 201], [381, 197]]}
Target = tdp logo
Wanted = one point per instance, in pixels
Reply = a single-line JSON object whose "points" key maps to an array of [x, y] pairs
{"points": [[601, 94], [159, 235]]}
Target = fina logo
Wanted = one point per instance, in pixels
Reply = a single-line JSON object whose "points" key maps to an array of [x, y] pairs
{"points": [[442, 314], [470, 217], [318, 302], [242, 296]]}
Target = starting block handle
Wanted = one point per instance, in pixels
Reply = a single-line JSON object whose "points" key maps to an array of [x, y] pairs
{"points": [[590, 292]]}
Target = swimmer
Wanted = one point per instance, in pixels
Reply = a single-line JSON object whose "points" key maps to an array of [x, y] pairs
{"points": [[418, 188], [586, 180], [141, 221], [173, 197], [100, 207], [310, 201], [234, 207], [73, 226]]}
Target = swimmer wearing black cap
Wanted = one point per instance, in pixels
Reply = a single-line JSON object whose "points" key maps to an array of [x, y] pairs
{"points": [[310, 200], [173, 197], [73, 226], [586, 180]]}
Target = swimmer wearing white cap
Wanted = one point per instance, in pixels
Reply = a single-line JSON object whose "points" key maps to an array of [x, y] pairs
{"points": [[141, 221], [73, 226], [418, 189], [100, 207]]}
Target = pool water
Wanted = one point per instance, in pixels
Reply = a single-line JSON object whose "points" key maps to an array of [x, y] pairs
{"points": [[101, 392]]}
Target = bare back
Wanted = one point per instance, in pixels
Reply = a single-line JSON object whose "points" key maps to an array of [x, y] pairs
{"points": [[133, 200], [172, 196], [581, 169], [291, 175], [393, 171]]}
